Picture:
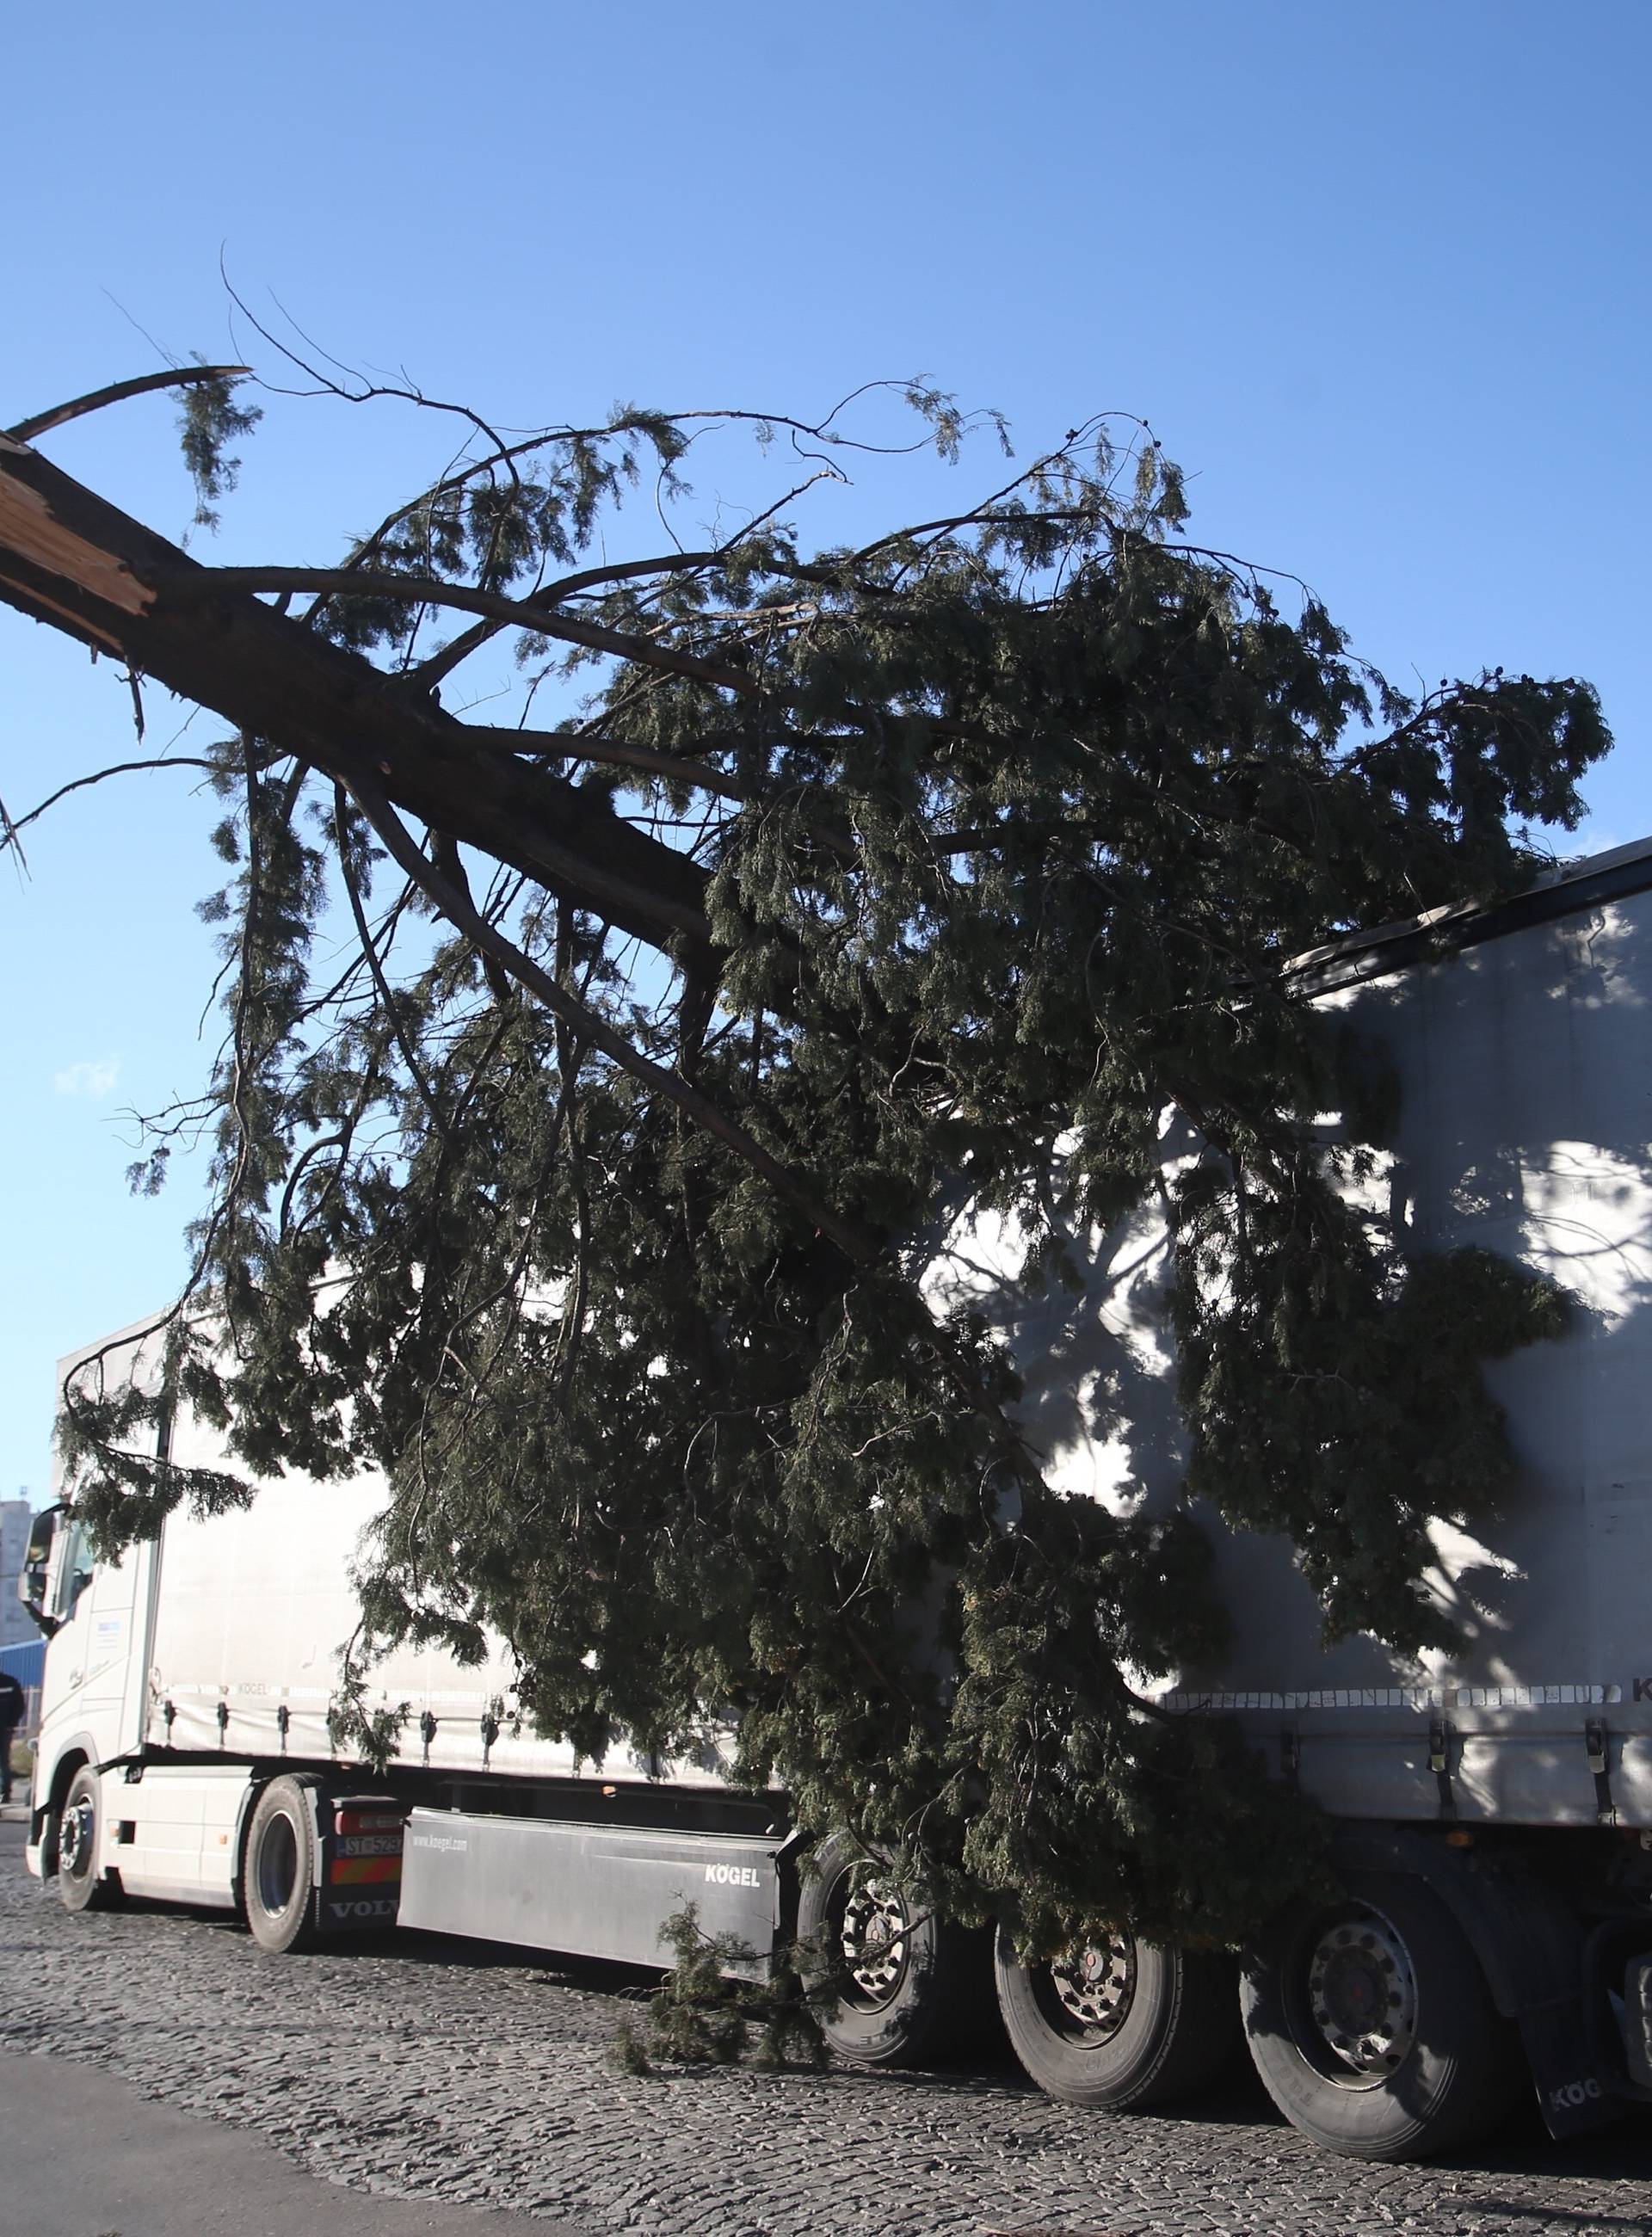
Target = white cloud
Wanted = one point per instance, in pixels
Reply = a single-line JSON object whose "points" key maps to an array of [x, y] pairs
{"points": [[94, 1080]]}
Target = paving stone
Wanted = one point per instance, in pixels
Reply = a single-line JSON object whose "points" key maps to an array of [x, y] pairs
{"points": [[418, 2067]]}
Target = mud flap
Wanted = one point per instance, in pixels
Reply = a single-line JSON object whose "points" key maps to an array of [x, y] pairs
{"points": [[358, 1853], [1530, 1948], [1570, 2090]]}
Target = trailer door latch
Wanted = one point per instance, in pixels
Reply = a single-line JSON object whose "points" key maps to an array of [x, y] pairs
{"points": [[1596, 1741], [1440, 1762]]}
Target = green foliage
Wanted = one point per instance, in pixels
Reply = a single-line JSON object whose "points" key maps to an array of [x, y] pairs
{"points": [[112, 1446], [714, 1996], [355, 1725], [1162, 1821], [1008, 826], [209, 420]]}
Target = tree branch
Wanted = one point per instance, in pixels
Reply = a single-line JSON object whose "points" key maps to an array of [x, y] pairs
{"points": [[369, 949], [518, 613], [76, 784], [143, 384], [594, 1029], [72, 560]]}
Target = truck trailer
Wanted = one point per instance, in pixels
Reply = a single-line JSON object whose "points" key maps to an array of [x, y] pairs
{"points": [[1492, 1808]]}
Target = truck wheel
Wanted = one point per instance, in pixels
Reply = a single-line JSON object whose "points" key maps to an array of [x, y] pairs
{"points": [[1123, 2023], [1372, 2027], [910, 1985], [81, 1885], [278, 1875]]}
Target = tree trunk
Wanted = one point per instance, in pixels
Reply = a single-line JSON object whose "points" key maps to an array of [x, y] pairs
{"points": [[71, 560]]}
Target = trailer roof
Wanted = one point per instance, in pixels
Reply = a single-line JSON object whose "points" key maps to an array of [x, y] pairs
{"points": [[1568, 888]]}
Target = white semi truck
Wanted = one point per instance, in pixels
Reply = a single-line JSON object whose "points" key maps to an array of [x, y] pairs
{"points": [[1493, 1812]]}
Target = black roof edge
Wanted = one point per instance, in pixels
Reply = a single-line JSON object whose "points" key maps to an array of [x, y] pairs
{"points": [[1572, 887]]}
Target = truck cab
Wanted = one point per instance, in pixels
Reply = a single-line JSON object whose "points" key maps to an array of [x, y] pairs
{"points": [[93, 1614]]}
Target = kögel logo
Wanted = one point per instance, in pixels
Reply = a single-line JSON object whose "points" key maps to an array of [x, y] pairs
{"points": [[1574, 2093], [732, 1875]]}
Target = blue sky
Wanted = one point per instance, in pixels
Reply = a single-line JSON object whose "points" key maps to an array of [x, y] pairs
{"points": [[1378, 275]]}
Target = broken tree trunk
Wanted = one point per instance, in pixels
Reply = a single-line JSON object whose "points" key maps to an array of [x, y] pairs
{"points": [[71, 560]]}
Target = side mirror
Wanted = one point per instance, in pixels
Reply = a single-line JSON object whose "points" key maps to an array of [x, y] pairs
{"points": [[32, 1585]]}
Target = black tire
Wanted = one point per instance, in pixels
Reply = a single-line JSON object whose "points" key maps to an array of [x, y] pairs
{"points": [[278, 1868], [81, 1884], [1130, 2025], [1372, 2027], [918, 1992]]}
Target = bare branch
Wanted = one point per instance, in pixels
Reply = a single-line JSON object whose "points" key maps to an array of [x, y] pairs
{"points": [[428, 590], [612, 753], [457, 650], [116, 769], [8, 838], [26, 431]]}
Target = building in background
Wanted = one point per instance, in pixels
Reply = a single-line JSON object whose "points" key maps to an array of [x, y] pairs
{"points": [[15, 1629]]}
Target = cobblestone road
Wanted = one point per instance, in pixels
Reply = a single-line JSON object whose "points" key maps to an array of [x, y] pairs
{"points": [[415, 2069]]}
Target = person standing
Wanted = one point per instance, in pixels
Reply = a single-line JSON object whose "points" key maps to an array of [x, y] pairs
{"points": [[13, 1706]]}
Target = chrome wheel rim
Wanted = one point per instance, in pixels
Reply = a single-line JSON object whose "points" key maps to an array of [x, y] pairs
{"points": [[1361, 1997], [874, 1939], [1096, 1986], [74, 1837]]}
